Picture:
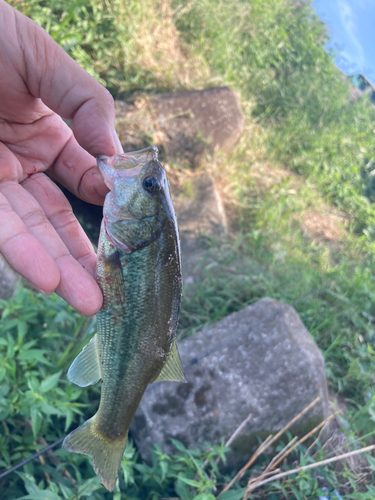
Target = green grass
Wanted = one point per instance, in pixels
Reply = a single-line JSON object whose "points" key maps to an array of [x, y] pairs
{"points": [[273, 53], [299, 119]]}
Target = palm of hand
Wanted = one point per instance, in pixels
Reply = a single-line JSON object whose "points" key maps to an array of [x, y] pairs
{"points": [[39, 235]]}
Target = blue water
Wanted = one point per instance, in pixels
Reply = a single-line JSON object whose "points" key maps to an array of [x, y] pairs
{"points": [[352, 28]]}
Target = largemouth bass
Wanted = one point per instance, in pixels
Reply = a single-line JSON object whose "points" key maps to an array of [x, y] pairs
{"points": [[139, 274]]}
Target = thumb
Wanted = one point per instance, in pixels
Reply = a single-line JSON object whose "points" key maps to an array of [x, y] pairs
{"points": [[67, 89]]}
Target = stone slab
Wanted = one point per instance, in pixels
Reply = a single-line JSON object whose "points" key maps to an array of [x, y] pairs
{"points": [[262, 362], [192, 121], [183, 125], [200, 214]]}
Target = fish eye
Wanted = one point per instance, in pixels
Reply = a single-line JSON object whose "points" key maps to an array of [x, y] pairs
{"points": [[151, 184]]}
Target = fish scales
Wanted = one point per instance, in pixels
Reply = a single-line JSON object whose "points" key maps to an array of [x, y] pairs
{"points": [[139, 274], [128, 347]]}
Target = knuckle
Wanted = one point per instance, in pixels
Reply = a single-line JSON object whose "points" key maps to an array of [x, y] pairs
{"points": [[64, 219], [108, 98], [5, 208]]}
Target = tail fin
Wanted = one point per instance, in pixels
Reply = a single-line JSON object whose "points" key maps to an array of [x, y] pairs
{"points": [[106, 455]]}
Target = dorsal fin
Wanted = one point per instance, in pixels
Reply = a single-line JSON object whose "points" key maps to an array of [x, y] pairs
{"points": [[172, 371], [85, 369]]}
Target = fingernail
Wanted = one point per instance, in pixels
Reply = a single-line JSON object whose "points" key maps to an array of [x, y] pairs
{"points": [[101, 189], [98, 183], [43, 292], [118, 145]]}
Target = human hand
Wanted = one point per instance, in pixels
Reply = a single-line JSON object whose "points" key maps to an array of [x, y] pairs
{"points": [[39, 235]]}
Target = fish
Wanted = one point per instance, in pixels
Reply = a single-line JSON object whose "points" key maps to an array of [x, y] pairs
{"points": [[139, 274]]}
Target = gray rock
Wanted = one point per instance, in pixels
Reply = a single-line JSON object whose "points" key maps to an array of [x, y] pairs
{"points": [[261, 361], [134, 124], [9, 279], [194, 119], [184, 125], [200, 213]]}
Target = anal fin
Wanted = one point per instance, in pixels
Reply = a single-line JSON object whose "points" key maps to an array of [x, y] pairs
{"points": [[172, 371], [85, 369]]}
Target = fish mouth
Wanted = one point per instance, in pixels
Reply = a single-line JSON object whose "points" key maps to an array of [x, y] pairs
{"points": [[129, 160], [127, 165]]}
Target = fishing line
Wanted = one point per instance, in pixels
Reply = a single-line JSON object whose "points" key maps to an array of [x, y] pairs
{"points": [[194, 361], [36, 455]]}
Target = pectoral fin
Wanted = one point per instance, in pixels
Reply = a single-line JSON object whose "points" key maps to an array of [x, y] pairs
{"points": [[85, 369], [172, 371]]}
